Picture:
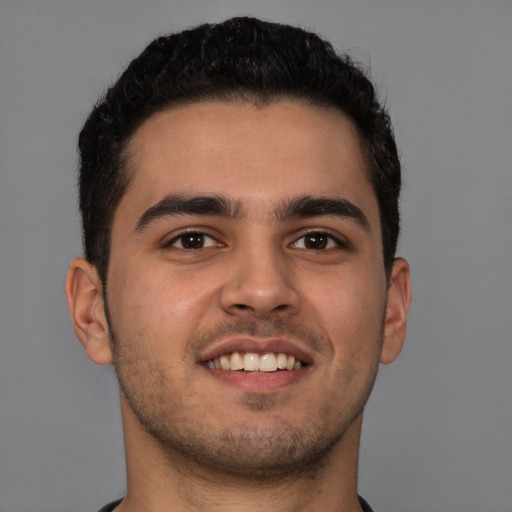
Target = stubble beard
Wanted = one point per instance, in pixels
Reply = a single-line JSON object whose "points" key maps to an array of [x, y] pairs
{"points": [[242, 452]]}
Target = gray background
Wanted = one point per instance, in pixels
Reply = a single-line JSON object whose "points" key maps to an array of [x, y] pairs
{"points": [[438, 429]]}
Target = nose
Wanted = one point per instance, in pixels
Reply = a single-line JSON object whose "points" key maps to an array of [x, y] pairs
{"points": [[259, 285]]}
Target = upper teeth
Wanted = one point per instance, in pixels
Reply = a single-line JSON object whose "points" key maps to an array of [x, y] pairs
{"points": [[253, 362]]}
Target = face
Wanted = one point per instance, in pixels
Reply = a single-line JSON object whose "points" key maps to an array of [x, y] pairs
{"points": [[248, 238]]}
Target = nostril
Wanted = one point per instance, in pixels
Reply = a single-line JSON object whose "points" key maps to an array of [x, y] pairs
{"points": [[242, 306]]}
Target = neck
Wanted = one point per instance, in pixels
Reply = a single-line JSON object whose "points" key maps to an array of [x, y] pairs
{"points": [[160, 479]]}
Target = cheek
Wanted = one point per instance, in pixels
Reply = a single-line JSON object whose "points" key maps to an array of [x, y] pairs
{"points": [[156, 304], [351, 307]]}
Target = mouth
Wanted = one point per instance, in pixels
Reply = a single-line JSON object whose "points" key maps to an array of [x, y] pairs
{"points": [[255, 365], [268, 362]]}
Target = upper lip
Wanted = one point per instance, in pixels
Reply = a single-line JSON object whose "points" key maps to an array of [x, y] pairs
{"points": [[259, 346]]}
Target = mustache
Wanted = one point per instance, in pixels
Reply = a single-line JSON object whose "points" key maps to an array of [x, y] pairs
{"points": [[272, 328]]}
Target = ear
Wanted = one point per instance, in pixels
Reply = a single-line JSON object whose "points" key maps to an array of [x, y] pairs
{"points": [[85, 300], [399, 300]]}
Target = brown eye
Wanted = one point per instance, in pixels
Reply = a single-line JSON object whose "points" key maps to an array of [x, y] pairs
{"points": [[317, 241], [193, 240]]}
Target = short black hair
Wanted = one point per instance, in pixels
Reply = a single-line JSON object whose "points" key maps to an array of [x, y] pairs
{"points": [[240, 59]]}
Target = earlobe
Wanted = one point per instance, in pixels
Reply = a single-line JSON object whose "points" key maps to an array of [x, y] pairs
{"points": [[85, 301], [398, 302]]}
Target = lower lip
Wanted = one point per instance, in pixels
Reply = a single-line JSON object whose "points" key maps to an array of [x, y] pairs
{"points": [[258, 382]]}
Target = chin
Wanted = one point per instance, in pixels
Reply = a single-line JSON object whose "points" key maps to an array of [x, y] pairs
{"points": [[256, 451]]}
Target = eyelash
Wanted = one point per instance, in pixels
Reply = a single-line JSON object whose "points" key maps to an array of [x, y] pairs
{"points": [[332, 242], [181, 237]]}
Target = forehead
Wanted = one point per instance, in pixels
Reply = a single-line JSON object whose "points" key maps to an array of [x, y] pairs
{"points": [[257, 155]]}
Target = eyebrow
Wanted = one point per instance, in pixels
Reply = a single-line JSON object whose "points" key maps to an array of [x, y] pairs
{"points": [[308, 206], [297, 208], [174, 205]]}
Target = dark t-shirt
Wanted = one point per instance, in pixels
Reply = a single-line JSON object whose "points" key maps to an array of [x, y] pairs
{"points": [[111, 506]]}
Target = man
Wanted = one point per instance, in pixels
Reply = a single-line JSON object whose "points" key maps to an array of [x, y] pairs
{"points": [[239, 193]]}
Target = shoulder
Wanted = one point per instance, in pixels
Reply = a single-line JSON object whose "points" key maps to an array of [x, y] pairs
{"points": [[363, 503], [111, 506]]}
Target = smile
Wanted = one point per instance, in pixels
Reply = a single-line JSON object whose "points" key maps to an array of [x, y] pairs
{"points": [[253, 362]]}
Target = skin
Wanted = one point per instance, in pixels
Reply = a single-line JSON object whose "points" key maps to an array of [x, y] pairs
{"points": [[195, 439]]}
